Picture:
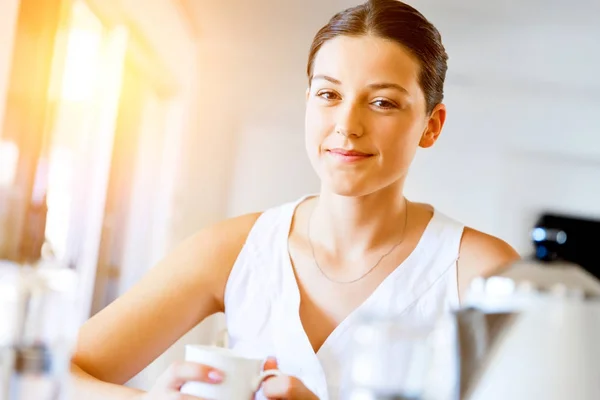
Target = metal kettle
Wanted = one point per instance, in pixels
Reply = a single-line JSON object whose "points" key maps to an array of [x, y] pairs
{"points": [[530, 332]]}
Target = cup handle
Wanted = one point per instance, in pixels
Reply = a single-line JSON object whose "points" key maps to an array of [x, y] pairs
{"points": [[264, 375]]}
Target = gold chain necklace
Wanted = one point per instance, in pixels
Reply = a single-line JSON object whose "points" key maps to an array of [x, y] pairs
{"points": [[370, 269]]}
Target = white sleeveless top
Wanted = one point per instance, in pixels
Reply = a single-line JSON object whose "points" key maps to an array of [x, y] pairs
{"points": [[262, 298]]}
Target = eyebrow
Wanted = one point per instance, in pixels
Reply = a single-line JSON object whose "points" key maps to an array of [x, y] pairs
{"points": [[383, 85]]}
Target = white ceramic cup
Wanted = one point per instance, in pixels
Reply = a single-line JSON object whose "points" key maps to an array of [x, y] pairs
{"points": [[243, 376]]}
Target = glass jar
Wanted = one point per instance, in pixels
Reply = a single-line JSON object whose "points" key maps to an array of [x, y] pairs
{"points": [[389, 359]]}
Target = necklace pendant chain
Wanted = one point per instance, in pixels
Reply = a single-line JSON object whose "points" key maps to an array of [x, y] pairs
{"points": [[312, 248]]}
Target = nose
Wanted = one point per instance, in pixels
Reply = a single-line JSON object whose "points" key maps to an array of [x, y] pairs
{"points": [[349, 121]]}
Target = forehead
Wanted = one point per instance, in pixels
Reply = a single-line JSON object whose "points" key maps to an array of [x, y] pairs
{"points": [[363, 60]]}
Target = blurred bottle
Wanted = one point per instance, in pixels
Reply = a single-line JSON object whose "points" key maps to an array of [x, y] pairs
{"points": [[37, 330]]}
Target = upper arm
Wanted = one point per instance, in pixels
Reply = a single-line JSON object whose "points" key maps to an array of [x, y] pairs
{"points": [[481, 255], [172, 298]]}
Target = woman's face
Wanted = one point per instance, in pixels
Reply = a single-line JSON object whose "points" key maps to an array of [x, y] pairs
{"points": [[366, 114]]}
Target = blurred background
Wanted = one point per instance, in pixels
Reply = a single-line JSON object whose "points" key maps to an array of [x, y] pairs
{"points": [[127, 125]]}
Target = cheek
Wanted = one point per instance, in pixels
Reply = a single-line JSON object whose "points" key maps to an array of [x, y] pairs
{"points": [[399, 143], [315, 128]]}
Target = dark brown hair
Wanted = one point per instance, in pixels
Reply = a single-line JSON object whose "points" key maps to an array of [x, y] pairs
{"points": [[397, 21]]}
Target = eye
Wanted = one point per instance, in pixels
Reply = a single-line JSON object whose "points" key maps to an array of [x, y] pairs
{"points": [[385, 104], [328, 95]]}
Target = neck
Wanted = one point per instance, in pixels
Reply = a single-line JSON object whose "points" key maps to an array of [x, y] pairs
{"points": [[357, 225]]}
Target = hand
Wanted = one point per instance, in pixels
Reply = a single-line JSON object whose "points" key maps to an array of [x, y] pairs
{"points": [[168, 385], [284, 387]]}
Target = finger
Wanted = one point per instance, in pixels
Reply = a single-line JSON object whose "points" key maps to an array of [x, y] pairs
{"points": [[182, 372], [280, 387], [270, 363]]}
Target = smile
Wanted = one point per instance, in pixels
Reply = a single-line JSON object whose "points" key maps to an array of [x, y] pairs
{"points": [[348, 156]]}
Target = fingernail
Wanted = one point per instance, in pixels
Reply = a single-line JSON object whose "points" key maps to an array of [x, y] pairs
{"points": [[215, 376]]}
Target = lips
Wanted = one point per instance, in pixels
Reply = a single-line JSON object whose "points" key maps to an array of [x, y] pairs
{"points": [[348, 155]]}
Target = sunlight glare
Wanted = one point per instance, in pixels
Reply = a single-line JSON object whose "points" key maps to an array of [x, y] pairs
{"points": [[83, 54]]}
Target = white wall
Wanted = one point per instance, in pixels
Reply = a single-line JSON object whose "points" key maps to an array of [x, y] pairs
{"points": [[522, 132], [522, 135]]}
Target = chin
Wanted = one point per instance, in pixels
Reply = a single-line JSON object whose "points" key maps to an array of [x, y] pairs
{"points": [[349, 189]]}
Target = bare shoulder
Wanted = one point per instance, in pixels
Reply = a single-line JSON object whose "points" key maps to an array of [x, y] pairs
{"points": [[173, 297], [236, 228], [219, 242], [210, 253], [207, 256], [482, 255]]}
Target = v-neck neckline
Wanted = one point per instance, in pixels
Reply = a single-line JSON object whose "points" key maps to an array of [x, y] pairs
{"points": [[294, 287]]}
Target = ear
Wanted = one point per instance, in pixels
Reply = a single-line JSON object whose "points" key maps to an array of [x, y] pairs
{"points": [[307, 93], [434, 126]]}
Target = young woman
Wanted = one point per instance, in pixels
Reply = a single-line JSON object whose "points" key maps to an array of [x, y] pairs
{"points": [[292, 279]]}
